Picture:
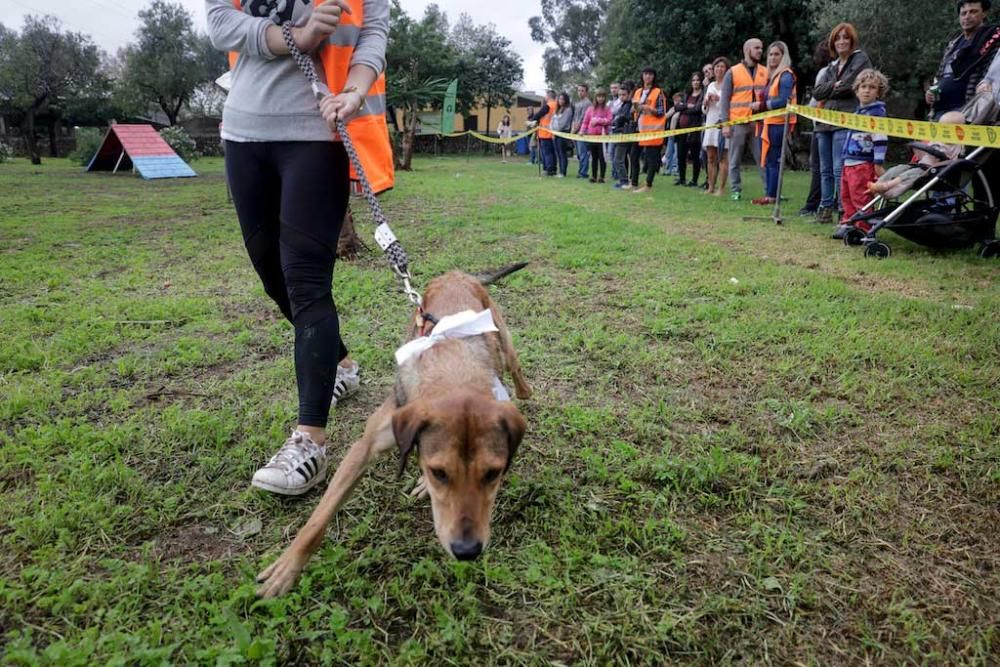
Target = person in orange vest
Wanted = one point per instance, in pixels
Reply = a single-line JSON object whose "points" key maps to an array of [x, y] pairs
{"points": [[651, 106], [780, 93], [543, 119], [742, 96], [290, 179]]}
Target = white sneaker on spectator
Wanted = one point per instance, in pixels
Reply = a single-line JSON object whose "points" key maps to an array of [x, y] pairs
{"points": [[348, 382], [298, 466]]}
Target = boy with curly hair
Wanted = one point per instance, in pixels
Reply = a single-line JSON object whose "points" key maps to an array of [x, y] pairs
{"points": [[864, 152]]}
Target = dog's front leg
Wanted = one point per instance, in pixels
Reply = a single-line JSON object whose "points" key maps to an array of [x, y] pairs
{"points": [[378, 437]]}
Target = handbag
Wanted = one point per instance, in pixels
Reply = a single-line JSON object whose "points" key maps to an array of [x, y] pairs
{"points": [[982, 109]]}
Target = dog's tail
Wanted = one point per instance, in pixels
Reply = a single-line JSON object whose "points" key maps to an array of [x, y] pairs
{"points": [[490, 277]]}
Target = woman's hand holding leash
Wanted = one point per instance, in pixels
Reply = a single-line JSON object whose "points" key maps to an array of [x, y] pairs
{"points": [[323, 20], [341, 106]]}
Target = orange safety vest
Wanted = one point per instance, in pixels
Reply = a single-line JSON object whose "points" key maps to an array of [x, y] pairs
{"points": [[647, 121], [368, 128], [746, 90], [546, 121], [777, 120]]}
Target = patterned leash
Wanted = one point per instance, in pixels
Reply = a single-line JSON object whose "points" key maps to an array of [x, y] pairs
{"points": [[386, 240]]}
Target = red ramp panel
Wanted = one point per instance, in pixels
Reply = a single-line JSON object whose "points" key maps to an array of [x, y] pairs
{"points": [[141, 147]]}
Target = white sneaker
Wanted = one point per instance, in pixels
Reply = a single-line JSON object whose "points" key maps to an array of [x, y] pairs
{"points": [[298, 466], [348, 382]]}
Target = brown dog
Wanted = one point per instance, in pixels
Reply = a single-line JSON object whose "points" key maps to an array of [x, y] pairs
{"points": [[443, 405]]}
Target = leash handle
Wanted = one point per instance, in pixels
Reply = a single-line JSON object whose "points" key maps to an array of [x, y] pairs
{"points": [[386, 240]]}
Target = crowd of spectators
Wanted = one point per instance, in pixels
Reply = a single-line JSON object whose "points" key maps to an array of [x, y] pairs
{"points": [[844, 165]]}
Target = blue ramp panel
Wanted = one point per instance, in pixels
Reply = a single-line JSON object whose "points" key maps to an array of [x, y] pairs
{"points": [[166, 166]]}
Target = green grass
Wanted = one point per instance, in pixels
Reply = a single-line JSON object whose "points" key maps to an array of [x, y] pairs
{"points": [[747, 444]]}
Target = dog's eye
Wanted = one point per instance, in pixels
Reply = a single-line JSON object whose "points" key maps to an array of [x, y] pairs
{"points": [[491, 476], [440, 475]]}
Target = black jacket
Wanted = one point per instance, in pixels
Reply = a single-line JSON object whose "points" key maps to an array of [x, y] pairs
{"points": [[622, 122]]}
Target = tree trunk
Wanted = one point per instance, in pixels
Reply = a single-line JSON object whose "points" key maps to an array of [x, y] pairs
{"points": [[53, 143], [349, 244], [409, 139], [30, 140], [488, 146], [397, 151]]}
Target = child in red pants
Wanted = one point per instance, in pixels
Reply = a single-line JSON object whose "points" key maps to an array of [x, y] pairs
{"points": [[864, 152]]}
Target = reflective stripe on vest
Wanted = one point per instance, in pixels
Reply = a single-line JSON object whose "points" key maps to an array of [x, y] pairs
{"points": [[765, 136], [368, 128], [546, 121], [772, 94], [649, 122], [746, 91]]}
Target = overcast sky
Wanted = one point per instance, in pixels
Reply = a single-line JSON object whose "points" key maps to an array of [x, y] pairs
{"points": [[112, 23]]}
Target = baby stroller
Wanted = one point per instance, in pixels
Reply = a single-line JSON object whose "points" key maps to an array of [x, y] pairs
{"points": [[953, 206]]}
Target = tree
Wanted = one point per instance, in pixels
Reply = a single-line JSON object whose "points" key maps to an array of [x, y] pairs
{"points": [[413, 94], [419, 49], [423, 56], [41, 68], [420, 61], [488, 69], [169, 59], [636, 28], [575, 27]]}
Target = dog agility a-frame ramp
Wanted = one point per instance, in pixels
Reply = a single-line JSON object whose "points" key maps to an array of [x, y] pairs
{"points": [[139, 147]]}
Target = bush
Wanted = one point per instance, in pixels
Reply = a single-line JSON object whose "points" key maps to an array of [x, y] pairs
{"points": [[6, 153], [88, 140], [181, 142]]}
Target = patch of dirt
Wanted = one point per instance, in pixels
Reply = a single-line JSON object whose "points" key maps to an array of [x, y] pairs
{"points": [[197, 543]]}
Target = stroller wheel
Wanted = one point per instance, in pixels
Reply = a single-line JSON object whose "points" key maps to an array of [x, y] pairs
{"points": [[853, 236], [878, 250], [990, 250]]}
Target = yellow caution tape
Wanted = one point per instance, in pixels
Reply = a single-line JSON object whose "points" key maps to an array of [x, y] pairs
{"points": [[916, 130], [489, 139], [617, 138], [662, 134]]}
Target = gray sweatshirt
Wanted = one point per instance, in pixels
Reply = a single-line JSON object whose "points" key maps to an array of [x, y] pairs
{"points": [[270, 98], [579, 109], [563, 120]]}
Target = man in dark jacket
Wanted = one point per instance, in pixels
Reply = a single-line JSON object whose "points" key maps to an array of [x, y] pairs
{"points": [[966, 59]]}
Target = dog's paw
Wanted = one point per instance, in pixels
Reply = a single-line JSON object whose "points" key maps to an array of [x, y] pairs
{"points": [[420, 490], [280, 576]]}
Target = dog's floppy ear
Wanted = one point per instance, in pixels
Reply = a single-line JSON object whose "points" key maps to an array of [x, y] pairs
{"points": [[513, 424], [407, 423]]}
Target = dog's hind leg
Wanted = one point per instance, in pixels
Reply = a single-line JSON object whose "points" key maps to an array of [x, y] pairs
{"points": [[377, 439], [510, 359]]}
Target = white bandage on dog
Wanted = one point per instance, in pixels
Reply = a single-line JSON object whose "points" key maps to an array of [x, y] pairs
{"points": [[460, 325]]}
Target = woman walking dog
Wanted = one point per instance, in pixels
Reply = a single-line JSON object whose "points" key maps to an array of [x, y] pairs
{"points": [[290, 179]]}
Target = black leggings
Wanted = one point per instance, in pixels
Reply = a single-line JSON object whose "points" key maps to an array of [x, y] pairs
{"points": [[291, 198], [597, 158], [651, 159], [689, 150]]}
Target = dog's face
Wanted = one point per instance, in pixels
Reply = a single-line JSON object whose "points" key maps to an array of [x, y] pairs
{"points": [[465, 445]]}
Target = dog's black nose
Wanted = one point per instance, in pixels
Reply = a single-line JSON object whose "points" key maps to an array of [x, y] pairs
{"points": [[466, 549]]}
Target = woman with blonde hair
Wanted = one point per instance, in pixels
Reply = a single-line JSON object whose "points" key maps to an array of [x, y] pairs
{"points": [[780, 93]]}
